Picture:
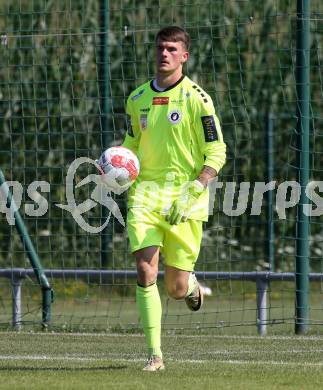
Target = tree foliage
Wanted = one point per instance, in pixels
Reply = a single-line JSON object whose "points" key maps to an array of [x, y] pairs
{"points": [[243, 55]]}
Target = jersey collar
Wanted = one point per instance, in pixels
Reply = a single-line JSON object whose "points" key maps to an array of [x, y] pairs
{"points": [[168, 88]]}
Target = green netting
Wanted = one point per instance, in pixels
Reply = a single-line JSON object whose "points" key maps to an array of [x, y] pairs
{"points": [[51, 86]]}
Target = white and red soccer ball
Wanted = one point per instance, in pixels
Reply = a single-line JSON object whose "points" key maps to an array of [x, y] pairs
{"points": [[119, 164]]}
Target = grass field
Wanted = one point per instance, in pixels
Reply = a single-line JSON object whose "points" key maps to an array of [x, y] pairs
{"points": [[100, 361]]}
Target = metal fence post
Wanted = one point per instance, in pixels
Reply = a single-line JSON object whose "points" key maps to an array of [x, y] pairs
{"points": [[262, 288], [303, 154], [270, 250], [16, 303], [106, 132]]}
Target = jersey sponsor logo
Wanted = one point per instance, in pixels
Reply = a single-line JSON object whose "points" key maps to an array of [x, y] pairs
{"points": [[135, 97], [178, 102], [129, 126], [143, 121], [174, 116], [210, 133], [160, 101], [145, 109]]}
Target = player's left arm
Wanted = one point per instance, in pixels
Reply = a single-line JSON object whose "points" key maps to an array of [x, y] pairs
{"points": [[211, 144], [206, 175], [210, 138]]}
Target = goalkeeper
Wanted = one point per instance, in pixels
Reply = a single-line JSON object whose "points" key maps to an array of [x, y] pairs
{"points": [[174, 131]]}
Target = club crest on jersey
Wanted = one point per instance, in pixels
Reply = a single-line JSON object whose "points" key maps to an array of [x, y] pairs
{"points": [[174, 117], [143, 121]]}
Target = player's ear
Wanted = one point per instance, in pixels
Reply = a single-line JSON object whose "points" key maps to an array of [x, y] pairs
{"points": [[185, 56]]}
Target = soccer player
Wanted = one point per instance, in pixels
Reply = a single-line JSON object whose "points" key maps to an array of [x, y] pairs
{"points": [[174, 131]]}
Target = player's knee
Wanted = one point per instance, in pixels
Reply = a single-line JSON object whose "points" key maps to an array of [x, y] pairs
{"points": [[146, 274], [177, 290]]}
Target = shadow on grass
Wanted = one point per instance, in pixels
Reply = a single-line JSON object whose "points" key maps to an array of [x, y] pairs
{"points": [[22, 368]]}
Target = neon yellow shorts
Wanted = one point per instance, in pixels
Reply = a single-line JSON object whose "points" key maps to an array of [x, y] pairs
{"points": [[180, 244]]}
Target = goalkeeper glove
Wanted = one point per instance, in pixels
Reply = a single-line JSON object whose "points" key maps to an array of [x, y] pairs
{"points": [[182, 207]]}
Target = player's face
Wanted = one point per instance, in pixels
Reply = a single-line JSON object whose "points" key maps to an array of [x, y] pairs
{"points": [[170, 56]]}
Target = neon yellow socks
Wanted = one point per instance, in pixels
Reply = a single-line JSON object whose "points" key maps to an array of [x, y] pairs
{"points": [[150, 311]]}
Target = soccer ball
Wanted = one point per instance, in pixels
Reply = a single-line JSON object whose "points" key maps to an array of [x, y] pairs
{"points": [[119, 167]]}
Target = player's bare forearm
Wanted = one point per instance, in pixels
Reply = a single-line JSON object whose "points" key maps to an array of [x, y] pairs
{"points": [[206, 175]]}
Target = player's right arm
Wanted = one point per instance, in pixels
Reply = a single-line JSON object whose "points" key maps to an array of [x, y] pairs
{"points": [[132, 138]]}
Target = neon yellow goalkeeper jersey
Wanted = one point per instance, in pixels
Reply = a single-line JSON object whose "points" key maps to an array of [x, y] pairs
{"points": [[174, 133]]}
